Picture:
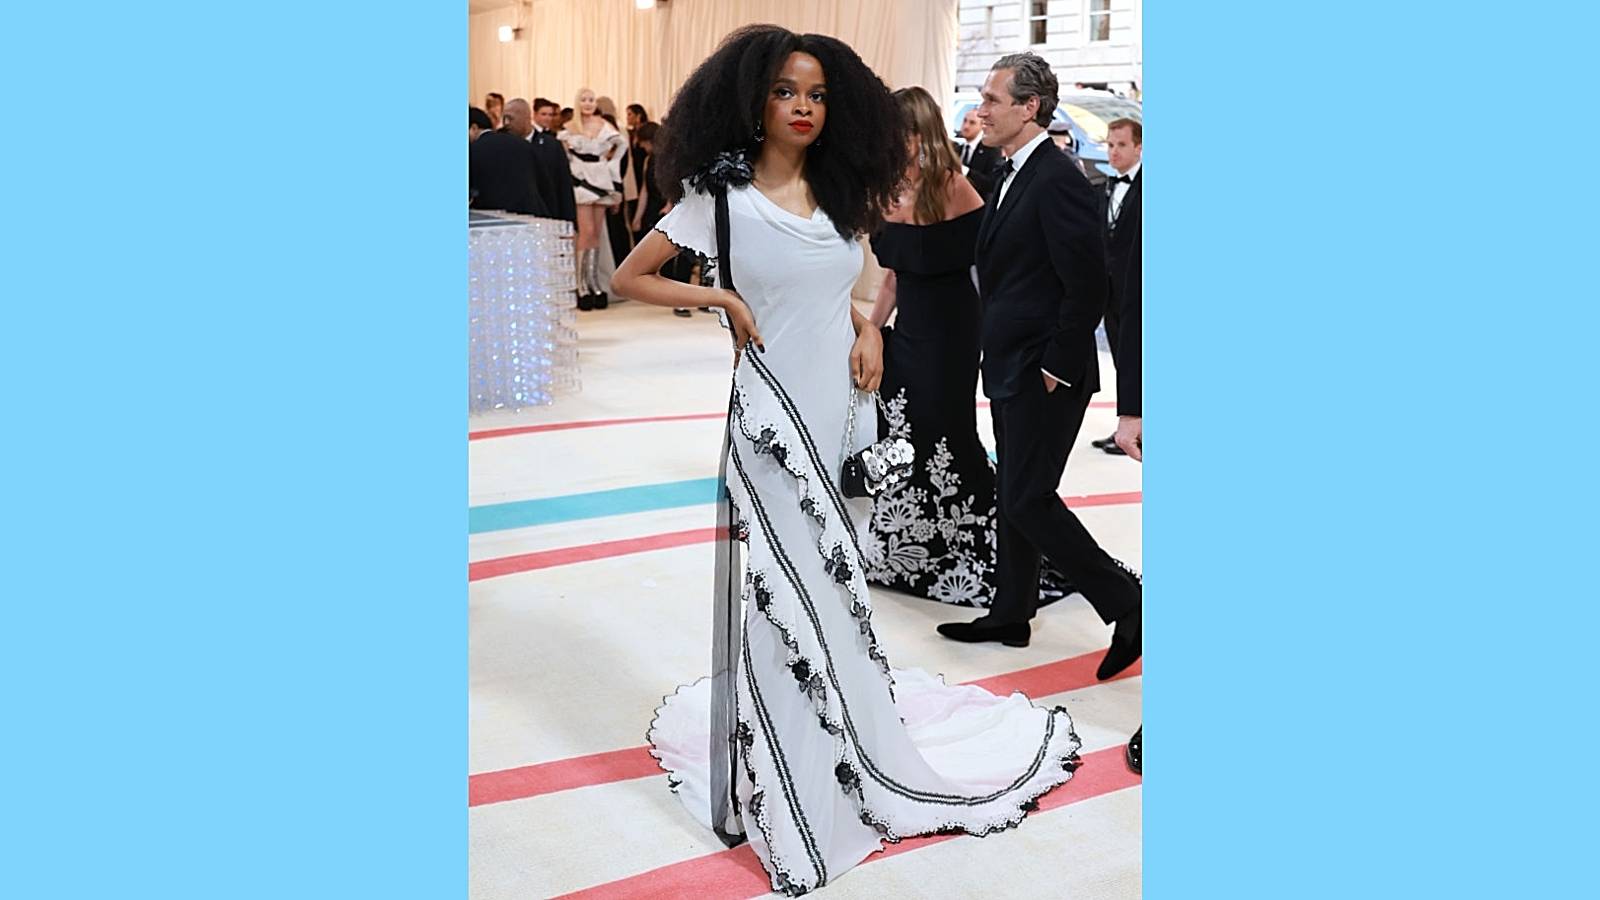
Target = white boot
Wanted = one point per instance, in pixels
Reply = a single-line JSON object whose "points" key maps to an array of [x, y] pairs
{"points": [[601, 300], [585, 291]]}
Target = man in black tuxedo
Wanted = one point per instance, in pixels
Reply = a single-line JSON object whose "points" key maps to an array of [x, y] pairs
{"points": [[500, 171], [477, 123], [1042, 276], [555, 173], [1123, 214], [978, 158], [1125, 255], [1125, 314]]}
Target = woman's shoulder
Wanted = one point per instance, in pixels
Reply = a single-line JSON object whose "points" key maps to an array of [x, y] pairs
{"points": [[694, 202], [960, 197]]}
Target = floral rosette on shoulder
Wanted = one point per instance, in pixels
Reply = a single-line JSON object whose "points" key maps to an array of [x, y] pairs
{"points": [[730, 168]]}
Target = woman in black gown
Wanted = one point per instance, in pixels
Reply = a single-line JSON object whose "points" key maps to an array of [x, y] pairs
{"points": [[933, 535]]}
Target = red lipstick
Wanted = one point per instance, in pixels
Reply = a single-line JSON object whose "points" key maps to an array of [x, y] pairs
{"points": [[801, 125]]}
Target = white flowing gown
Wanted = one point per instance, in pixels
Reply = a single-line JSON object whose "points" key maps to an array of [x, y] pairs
{"points": [[839, 752]]}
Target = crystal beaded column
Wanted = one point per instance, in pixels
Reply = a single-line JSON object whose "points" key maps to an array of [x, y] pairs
{"points": [[522, 339]]}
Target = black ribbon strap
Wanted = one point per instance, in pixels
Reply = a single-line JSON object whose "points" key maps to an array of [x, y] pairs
{"points": [[725, 617], [597, 191]]}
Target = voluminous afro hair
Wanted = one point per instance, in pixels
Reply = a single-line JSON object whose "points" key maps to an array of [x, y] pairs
{"points": [[855, 164]]}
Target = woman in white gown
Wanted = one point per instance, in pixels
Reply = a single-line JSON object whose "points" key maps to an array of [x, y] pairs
{"points": [[835, 751]]}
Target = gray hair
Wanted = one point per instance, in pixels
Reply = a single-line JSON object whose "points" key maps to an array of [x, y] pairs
{"points": [[1031, 77]]}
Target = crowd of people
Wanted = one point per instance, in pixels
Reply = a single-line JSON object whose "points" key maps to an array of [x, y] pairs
{"points": [[1003, 260], [577, 163]]}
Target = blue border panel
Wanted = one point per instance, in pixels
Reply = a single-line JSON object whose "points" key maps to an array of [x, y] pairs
{"points": [[234, 271], [1369, 490]]}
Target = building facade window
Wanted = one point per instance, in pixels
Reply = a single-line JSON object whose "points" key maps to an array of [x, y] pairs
{"points": [[1099, 20], [1038, 21]]}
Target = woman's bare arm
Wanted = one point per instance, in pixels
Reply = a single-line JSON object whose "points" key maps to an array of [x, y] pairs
{"points": [[638, 278], [883, 304]]}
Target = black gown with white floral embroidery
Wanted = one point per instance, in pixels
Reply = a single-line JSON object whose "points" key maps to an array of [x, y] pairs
{"points": [[933, 535]]}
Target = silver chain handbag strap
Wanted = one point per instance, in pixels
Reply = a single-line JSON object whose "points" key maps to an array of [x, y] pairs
{"points": [[850, 422]]}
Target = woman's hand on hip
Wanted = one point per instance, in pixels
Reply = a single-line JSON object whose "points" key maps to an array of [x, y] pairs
{"points": [[866, 359], [741, 320]]}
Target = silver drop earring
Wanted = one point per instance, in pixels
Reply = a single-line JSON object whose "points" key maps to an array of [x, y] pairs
{"points": [[760, 135]]}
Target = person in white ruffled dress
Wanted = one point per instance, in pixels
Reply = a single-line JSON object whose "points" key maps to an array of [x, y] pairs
{"points": [[835, 751], [594, 154]]}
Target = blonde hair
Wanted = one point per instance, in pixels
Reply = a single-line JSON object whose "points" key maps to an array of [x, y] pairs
{"points": [[576, 122], [920, 117]]}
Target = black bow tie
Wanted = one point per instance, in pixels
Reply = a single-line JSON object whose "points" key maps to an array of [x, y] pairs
{"points": [[1123, 179], [1005, 167]]}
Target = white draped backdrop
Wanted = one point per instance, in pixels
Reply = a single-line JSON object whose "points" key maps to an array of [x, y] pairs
{"points": [[641, 56]]}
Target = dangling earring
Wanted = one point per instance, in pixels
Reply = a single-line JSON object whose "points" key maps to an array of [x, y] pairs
{"points": [[922, 159], [760, 135]]}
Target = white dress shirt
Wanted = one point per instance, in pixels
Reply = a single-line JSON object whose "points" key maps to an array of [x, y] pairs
{"points": [[1017, 162], [1114, 208]]}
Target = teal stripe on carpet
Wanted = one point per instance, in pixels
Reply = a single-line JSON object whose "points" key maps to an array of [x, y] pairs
{"points": [[566, 508]]}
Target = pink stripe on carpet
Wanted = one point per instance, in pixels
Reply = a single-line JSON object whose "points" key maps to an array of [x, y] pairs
{"points": [[736, 874], [588, 423], [561, 775], [1071, 674], [1097, 404], [1078, 501], [561, 556], [641, 420]]}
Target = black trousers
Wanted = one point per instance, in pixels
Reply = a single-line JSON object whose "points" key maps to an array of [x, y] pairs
{"points": [[1034, 432], [618, 232]]}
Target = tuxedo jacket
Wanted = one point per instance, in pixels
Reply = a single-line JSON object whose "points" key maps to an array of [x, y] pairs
{"points": [[500, 172], [1042, 275], [980, 169], [1124, 253], [554, 175]]}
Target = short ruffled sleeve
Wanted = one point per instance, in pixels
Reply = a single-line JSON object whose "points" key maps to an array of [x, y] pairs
{"points": [[692, 224], [614, 138]]}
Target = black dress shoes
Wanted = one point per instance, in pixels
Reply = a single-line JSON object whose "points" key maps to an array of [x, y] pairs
{"points": [[1135, 752], [1127, 645], [1109, 445], [586, 302], [1013, 634]]}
